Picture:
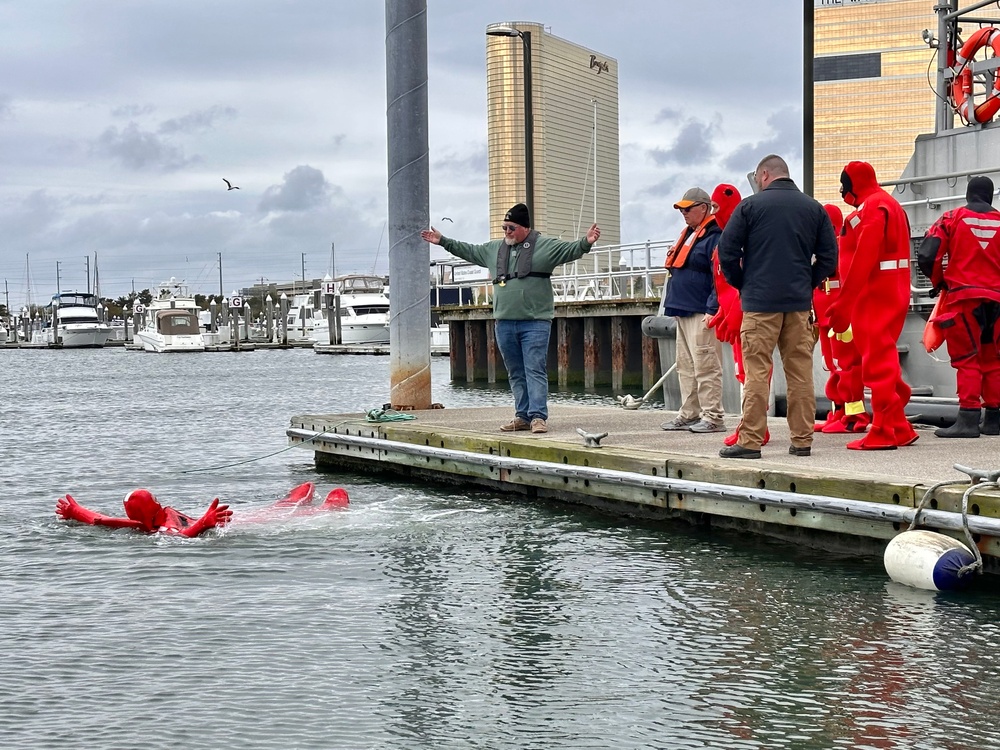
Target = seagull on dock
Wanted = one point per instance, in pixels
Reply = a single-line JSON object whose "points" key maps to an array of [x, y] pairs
{"points": [[229, 185]]}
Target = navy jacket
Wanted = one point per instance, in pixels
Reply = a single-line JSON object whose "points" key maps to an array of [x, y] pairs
{"points": [[778, 246], [691, 288]]}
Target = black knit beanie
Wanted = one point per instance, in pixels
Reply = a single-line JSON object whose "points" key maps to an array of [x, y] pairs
{"points": [[519, 215]]}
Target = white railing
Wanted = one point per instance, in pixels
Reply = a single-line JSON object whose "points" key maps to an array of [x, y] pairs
{"points": [[614, 272]]}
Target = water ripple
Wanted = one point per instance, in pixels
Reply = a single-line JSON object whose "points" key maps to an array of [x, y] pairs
{"points": [[421, 617]]}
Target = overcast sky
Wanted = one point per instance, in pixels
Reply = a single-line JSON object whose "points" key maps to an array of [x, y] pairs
{"points": [[119, 120]]}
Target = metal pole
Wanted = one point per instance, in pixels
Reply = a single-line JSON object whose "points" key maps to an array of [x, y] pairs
{"points": [[221, 293], [283, 324], [529, 133], [409, 202], [594, 101], [808, 108]]}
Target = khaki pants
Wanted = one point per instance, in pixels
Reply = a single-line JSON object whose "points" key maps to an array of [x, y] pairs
{"points": [[699, 370], [793, 335]]}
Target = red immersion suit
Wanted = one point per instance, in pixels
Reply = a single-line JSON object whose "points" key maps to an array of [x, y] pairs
{"points": [[844, 387], [874, 299], [961, 256], [144, 513]]}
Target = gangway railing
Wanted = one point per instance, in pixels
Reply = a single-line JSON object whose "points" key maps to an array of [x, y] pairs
{"points": [[613, 272]]}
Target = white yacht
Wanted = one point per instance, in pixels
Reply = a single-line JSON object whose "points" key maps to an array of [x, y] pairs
{"points": [[364, 313], [171, 321], [79, 324]]}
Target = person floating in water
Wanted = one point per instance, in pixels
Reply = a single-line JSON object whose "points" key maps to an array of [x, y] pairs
{"points": [[144, 513]]}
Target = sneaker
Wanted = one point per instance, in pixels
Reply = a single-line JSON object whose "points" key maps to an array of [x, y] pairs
{"points": [[703, 425], [538, 425], [516, 425], [677, 423], [738, 451], [794, 450]]}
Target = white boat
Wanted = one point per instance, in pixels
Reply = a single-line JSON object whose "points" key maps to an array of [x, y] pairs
{"points": [[364, 313], [79, 324], [171, 321]]}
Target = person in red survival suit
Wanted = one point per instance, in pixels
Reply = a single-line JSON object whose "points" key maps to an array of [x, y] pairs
{"points": [[144, 513], [844, 387], [960, 254], [874, 298], [727, 321]]}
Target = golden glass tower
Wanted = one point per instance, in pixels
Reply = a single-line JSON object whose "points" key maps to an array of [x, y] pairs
{"points": [[871, 92], [574, 132]]}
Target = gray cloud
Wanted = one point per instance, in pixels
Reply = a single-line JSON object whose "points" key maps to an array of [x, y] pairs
{"points": [[464, 168], [139, 150], [131, 111], [691, 146], [667, 114], [663, 189], [303, 188], [785, 139], [197, 121]]}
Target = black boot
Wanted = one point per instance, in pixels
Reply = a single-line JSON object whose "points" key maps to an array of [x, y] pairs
{"points": [[966, 425], [991, 422]]}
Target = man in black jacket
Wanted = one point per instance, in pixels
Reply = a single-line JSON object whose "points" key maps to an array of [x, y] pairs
{"points": [[778, 246]]}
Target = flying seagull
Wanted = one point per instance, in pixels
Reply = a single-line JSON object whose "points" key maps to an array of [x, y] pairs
{"points": [[445, 218], [230, 185]]}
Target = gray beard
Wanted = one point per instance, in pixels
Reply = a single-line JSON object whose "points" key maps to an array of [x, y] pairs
{"points": [[510, 241]]}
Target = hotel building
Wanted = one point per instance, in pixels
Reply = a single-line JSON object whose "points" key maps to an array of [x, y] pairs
{"points": [[873, 87], [573, 131]]}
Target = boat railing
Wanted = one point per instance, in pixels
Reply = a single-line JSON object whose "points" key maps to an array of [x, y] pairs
{"points": [[614, 272]]}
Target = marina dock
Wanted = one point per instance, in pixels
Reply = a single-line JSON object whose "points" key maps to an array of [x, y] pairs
{"points": [[838, 499]]}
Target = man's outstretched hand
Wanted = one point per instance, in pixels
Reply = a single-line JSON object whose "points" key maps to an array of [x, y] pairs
{"points": [[593, 234], [431, 235]]}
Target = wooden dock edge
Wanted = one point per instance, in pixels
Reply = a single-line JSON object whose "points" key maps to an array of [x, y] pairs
{"points": [[815, 529]]}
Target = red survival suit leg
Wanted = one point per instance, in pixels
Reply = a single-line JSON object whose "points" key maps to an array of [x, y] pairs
{"points": [[876, 330]]}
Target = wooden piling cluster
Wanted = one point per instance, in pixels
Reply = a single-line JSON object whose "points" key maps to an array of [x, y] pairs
{"points": [[593, 344]]}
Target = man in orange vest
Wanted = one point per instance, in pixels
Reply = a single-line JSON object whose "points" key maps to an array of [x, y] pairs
{"points": [[690, 298], [961, 256]]}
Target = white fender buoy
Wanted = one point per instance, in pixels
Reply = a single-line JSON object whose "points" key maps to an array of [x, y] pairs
{"points": [[927, 560]]}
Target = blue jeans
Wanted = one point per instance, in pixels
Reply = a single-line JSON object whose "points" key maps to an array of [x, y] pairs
{"points": [[524, 345]]}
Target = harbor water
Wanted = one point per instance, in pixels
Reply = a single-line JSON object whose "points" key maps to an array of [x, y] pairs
{"points": [[422, 616]]}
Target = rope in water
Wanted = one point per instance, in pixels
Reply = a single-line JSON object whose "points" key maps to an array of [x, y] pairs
{"points": [[269, 455]]}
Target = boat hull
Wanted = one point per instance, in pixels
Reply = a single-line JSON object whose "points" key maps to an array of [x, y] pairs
{"points": [[156, 342]]}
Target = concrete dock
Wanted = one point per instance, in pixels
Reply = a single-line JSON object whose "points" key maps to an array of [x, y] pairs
{"points": [[779, 495]]}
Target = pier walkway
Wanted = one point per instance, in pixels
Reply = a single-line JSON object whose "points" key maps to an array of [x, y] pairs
{"points": [[640, 470]]}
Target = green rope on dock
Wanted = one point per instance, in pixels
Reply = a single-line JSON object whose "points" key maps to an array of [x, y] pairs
{"points": [[382, 414]]}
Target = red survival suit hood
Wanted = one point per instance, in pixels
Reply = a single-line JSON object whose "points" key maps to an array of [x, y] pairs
{"points": [[857, 182], [141, 506], [726, 197], [836, 217]]}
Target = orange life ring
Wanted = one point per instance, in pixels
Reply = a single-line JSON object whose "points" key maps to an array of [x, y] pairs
{"points": [[961, 86]]}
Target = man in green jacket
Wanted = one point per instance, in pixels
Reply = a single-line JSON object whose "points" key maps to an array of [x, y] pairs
{"points": [[523, 305]]}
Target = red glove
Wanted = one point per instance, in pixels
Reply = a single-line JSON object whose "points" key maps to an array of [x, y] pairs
{"points": [[839, 317], [216, 515], [71, 510]]}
